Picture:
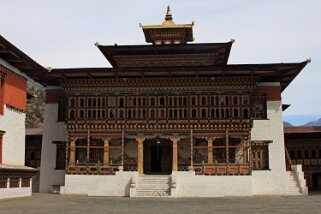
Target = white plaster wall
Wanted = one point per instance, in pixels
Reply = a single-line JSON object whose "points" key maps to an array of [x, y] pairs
{"points": [[53, 131], [99, 185], [13, 146], [273, 181], [15, 192], [190, 185]]}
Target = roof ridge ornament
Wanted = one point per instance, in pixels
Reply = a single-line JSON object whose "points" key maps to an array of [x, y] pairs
{"points": [[168, 16]]}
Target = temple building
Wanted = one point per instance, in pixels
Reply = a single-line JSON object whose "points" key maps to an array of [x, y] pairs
{"points": [[15, 68], [170, 118], [303, 144]]}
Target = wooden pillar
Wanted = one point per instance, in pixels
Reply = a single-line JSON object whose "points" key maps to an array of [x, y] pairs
{"points": [[175, 156], [245, 146], [106, 150], [140, 155], [227, 149], [72, 151], [210, 150]]}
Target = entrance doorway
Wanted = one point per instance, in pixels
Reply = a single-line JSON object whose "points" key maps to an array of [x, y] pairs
{"points": [[157, 156], [316, 181]]}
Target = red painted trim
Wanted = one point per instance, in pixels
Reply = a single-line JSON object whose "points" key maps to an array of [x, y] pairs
{"points": [[53, 95], [273, 92]]}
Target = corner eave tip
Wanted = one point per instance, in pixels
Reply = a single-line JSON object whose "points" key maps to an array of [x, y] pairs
{"points": [[309, 60], [97, 44], [232, 40]]}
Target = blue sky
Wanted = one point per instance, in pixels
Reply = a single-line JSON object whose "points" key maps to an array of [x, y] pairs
{"points": [[62, 33]]}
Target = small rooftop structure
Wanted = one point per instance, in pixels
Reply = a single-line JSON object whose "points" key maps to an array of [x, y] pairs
{"points": [[168, 32]]}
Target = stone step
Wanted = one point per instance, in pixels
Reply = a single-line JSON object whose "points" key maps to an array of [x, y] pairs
{"points": [[153, 186], [152, 193]]}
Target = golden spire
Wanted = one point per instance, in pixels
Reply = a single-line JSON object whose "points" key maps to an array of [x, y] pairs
{"points": [[168, 16]]}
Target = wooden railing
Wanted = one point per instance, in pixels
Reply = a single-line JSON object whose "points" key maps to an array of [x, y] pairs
{"points": [[96, 169], [222, 169], [288, 163]]}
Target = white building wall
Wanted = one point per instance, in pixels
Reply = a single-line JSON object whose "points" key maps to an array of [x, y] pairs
{"points": [[13, 145], [271, 181], [190, 185], [99, 185], [53, 131], [15, 192]]}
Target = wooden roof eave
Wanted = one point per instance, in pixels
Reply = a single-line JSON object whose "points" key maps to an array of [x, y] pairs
{"points": [[19, 59], [264, 71]]}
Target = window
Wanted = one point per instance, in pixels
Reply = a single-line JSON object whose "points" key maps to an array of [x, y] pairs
{"points": [[313, 154], [163, 115], [152, 101], [152, 114], [162, 101], [193, 101], [121, 102], [111, 114], [96, 153], [61, 109], [235, 100], [81, 151], [245, 113], [204, 113], [130, 102], [245, 100], [82, 114], [227, 100], [292, 154], [72, 114], [60, 154], [193, 113], [121, 114], [259, 107], [72, 102], [236, 113], [306, 154], [204, 101], [82, 102], [299, 154], [129, 114], [260, 155], [185, 101]]}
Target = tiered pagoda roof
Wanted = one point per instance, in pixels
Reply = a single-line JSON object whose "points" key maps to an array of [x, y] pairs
{"points": [[170, 55]]}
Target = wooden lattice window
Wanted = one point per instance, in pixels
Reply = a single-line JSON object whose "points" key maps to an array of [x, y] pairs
{"points": [[14, 183], [260, 155], [25, 182], [3, 183], [259, 107]]}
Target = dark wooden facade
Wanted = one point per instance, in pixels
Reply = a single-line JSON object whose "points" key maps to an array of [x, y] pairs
{"points": [[167, 93]]}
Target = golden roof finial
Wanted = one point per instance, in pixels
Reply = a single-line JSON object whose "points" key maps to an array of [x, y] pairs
{"points": [[168, 16]]}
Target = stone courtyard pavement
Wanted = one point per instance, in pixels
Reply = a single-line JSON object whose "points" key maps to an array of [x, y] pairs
{"points": [[72, 204]]}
